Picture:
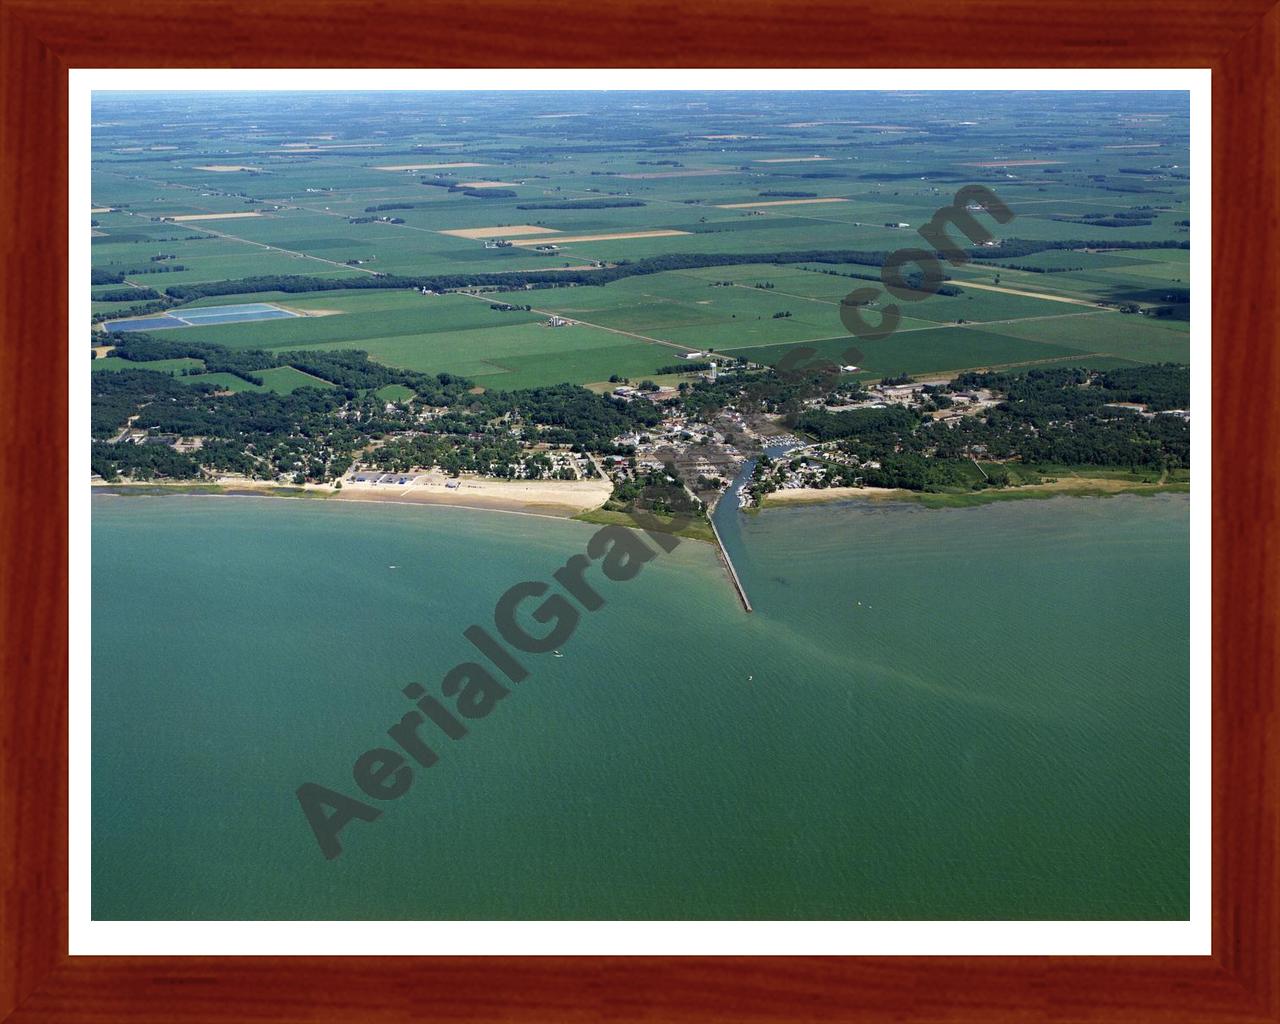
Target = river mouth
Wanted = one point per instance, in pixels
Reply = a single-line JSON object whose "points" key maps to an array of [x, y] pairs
{"points": [[726, 516]]}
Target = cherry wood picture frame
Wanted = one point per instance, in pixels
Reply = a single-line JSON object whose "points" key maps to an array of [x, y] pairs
{"points": [[41, 39]]}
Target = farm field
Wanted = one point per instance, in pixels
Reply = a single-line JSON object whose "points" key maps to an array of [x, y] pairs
{"points": [[462, 200], [935, 351], [516, 356], [173, 366]]}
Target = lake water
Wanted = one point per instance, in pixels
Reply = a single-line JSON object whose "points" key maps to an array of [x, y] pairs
{"points": [[962, 713]]}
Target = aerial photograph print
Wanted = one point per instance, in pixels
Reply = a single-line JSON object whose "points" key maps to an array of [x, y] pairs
{"points": [[611, 505]]}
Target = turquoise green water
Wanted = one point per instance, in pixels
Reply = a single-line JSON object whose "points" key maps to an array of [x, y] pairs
{"points": [[977, 713]]}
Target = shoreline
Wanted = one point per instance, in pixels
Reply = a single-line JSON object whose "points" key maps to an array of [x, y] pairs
{"points": [[482, 497], [1079, 487]]}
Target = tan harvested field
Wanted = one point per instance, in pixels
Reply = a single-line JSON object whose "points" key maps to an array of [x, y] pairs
{"points": [[1028, 294], [426, 167], [512, 229], [308, 312], [102, 351], [600, 238], [856, 124], [777, 202], [306, 147], [791, 159], [223, 168], [1012, 163], [98, 234], [677, 174], [488, 184], [215, 216]]}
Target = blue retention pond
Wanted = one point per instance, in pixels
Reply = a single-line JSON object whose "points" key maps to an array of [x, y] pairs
{"points": [[151, 323], [203, 316]]}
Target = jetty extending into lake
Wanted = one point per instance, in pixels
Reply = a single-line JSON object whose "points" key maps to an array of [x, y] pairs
{"points": [[728, 564]]}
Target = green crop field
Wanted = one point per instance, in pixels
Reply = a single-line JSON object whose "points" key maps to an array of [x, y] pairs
{"points": [[174, 366], [1129, 337], [519, 355], [931, 351], [225, 381], [280, 379]]}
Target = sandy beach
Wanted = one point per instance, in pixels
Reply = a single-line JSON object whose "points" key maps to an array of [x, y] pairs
{"points": [[810, 495], [548, 497], [1063, 485], [558, 498]]}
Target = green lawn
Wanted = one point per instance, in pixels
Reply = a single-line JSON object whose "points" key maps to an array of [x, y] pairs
{"points": [[394, 393]]}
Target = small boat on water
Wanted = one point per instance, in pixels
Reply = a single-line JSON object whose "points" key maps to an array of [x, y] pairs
{"points": [[393, 567], [557, 654]]}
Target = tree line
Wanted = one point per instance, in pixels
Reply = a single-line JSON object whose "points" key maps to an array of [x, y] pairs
{"points": [[294, 283]]}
